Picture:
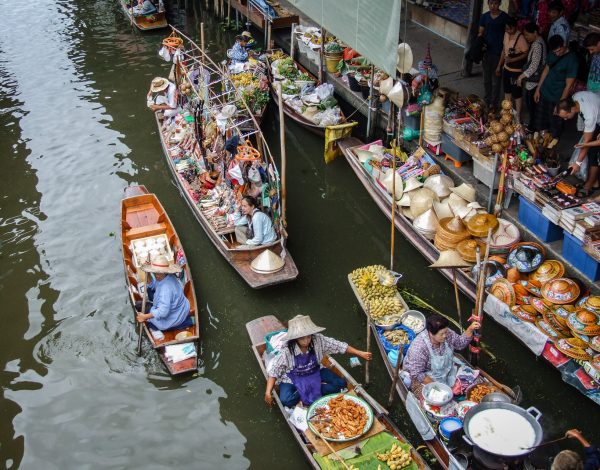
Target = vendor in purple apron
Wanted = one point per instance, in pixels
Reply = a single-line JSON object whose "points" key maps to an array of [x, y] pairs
{"points": [[430, 357], [297, 367]]}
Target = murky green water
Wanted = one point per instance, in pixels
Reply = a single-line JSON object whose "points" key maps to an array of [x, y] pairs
{"points": [[75, 132]]}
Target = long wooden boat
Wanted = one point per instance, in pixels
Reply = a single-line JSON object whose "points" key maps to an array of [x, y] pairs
{"points": [[438, 448], [143, 216], [291, 112], [403, 224], [224, 240], [258, 329], [156, 20], [208, 91]]}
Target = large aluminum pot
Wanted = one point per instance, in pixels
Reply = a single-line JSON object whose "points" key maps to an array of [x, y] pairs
{"points": [[531, 416]]}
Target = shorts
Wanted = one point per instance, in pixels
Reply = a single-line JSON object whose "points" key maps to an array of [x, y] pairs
{"points": [[509, 83]]}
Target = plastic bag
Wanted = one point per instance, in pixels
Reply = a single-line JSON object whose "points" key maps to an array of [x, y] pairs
{"points": [[324, 91], [164, 54], [235, 174], [582, 174]]}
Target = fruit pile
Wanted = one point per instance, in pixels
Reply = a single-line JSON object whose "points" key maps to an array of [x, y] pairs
{"points": [[501, 129], [396, 458], [375, 285], [244, 79]]}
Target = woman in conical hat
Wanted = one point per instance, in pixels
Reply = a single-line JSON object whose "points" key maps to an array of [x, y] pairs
{"points": [[297, 367], [169, 307]]}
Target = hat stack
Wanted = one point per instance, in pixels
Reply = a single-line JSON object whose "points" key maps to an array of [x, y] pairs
{"points": [[421, 200], [427, 224], [467, 249], [451, 232], [480, 224]]}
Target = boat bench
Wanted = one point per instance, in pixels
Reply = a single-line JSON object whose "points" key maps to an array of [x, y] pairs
{"points": [[146, 231]]}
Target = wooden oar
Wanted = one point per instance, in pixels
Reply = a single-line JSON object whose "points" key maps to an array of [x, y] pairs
{"points": [[474, 348], [318, 434], [141, 328], [457, 299], [367, 379]]}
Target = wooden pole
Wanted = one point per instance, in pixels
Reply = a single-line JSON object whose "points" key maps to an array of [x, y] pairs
{"points": [[322, 56], [368, 348], [475, 347], [393, 229], [421, 130], [268, 45], [228, 13], [457, 299], [292, 38], [370, 116], [331, 449], [202, 37], [141, 328], [283, 155]]}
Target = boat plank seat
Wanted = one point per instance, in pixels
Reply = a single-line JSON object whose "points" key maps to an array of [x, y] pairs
{"points": [[170, 335], [145, 214], [146, 231]]}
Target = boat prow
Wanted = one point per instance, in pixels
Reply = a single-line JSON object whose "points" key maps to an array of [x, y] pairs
{"points": [[156, 20]]}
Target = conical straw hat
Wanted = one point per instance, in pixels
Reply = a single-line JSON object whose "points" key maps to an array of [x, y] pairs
{"points": [[421, 200], [408, 213], [442, 209], [450, 259], [479, 225], [300, 326], [404, 60], [266, 263], [427, 223], [456, 203], [412, 183], [405, 200], [388, 182], [439, 184], [453, 229], [467, 249], [466, 191]]}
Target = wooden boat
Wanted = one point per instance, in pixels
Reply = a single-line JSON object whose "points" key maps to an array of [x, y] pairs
{"points": [[225, 242], [438, 448], [143, 216], [403, 224], [258, 328], [291, 112], [145, 22]]}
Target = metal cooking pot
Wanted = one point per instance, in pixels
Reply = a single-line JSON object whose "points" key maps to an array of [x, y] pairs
{"points": [[531, 414], [496, 397]]}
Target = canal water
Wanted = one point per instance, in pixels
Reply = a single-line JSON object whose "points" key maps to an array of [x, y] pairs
{"points": [[75, 132]]}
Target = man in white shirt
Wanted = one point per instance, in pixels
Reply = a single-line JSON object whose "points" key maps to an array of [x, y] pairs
{"points": [[586, 105], [163, 97]]}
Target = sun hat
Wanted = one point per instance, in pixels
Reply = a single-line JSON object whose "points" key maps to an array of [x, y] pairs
{"points": [[442, 209], [465, 191], [466, 213], [592, 303], [557, 323], [161, 264], [480, 224], [524, 315], [548, 270], [450, 259], [388, 182], [545, 328], [421, 200], [405, 200], [404, 59], [506, 235], [561, 290], [584, 322], [408, 213], [266, 263], [539, 305], [456, 203], [467, 249], [595, 343], [227, 112], [525, 258], [453, 230], [159, 84], [439, 184], [503, 290], [246, 34], [573, 347], [412, 183], [426, 224], [300, 326]]}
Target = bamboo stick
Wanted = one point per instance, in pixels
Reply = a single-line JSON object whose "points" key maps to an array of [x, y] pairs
{"points": [[318, 434], [141, 327], [283, 155], [202, 37], [368, 349], [457, 299], [393, 229]]}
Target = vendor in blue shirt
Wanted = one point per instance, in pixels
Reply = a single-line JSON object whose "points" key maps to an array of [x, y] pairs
{"points": [[238, 52], [254, 227], [170, 307], [491, 28]]}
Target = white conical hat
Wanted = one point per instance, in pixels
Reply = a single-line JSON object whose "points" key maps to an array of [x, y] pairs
{"points": [[388, 182], [442, 209], [450, 259], [412, 183], [439, 184], [266, 263], [405, 201], [466, 191]]}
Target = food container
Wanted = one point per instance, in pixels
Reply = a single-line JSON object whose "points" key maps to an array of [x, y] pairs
{"points": [[411, 319], [437, 393], [448, 426]]}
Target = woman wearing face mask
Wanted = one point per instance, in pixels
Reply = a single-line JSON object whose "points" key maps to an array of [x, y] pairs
{"points": [[430, 356]]}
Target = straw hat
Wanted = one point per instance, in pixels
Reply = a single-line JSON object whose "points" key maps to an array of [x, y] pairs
{"points": [[266, 263], [159, 84], [421, 200], [572, 348], [404, 60], [453, 230], [456, 203], [503, 290], [524, 315], [227, 112], [592, 303], [161, 264], [545, 328], [300, 326], [405, 200], [584, 322], [465, 191], [540, 305], [412, 183], [548, 270], [466, 213], [493, 272], [480, 224], [439, 184], [564, 310], [558, 323], [475, 205], [595, 343], [561, 290], [466, 249], [506, 235], [532, 286], [449, 259], [526, 258], [408, 213], [426, 224], [388, 182], [442, 209], [246, 34]]}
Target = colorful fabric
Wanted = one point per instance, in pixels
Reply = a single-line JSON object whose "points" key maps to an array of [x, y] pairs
{"points": [[284, 362], [593, 82], [561, 68], [494, 31], [237, 53], [170, 306], [418, 361]]}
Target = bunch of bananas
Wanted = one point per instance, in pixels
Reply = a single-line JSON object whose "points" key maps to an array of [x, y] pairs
{"points": [[243, 79], [279, 54], [379, 307], [396, 458], [367, 280]]}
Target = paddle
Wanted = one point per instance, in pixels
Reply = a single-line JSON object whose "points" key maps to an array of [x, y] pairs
{"points": [[318, 434], [140, 331]]}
